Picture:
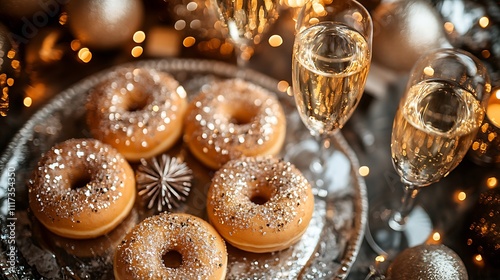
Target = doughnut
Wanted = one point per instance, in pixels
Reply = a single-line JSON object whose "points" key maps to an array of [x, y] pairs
{"points": [[232, 118], [81, 189], [171, 246], [138, 111], [260, 204]]}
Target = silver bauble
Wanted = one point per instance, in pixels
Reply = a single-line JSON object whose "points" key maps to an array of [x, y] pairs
{"points": [[104, 24], [430, 262], [403, 31]]}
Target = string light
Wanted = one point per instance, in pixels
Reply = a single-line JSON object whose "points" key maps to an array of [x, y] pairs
{"points": [[364, 171], [275, 41], [191, 6], [63, 18], [478, 260], [429, 71], [188, 41], [137, 51], [226, 49], [84, 55], [484, 22], [75, 45], [180, 24], [449, 27], [461, 196], [139, 36], [436, 236], [27, 101], [283, 86], [485, 53], [380, 259], [491, 182]]}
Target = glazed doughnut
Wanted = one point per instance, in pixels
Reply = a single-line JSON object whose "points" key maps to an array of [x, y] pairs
{"points": [[260, 204], [138, 111], [233, 118], [142, 253], [82, 188]]}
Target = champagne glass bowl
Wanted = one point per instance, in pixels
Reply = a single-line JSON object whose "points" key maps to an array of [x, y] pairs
{"points": [[436, 121], [330, 63]]}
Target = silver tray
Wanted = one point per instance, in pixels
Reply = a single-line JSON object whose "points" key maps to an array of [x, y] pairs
{"points": [[326, 251]]}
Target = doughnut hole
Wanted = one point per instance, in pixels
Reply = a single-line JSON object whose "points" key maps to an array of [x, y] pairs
{"points": [[260, 195], [172, 259], [239, 115], [80, 180], [137, 101], [80, 176]]}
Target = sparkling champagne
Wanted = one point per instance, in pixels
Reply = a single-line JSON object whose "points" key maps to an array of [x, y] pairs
{"points": [[433, 130], [330, 64], [246, 20]]}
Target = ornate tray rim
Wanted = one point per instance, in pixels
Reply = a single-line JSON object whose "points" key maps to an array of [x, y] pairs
{"points": [[213, 67]]}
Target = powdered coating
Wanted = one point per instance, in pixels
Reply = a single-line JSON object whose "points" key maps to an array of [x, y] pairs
{"points": [[139, 256]]}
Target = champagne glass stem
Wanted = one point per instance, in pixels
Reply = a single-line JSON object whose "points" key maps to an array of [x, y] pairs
{"points": [[318, 163], [242, 56], [399, 218]]}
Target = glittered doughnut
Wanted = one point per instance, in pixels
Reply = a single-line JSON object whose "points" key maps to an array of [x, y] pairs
{"points": [[233, 118], [171, 246], [138, 111], [260, 204], [81, 188]]}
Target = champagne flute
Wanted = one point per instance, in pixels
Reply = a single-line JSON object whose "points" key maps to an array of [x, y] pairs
{"points": [[330, 63], [435, 124], [246, 22]]}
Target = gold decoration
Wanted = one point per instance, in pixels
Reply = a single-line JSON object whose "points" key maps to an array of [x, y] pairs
{"points": [[104, 24]]}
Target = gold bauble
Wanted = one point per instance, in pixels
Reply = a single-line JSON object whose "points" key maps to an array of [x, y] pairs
{"points": [[403, 31], [21, 8], [104, 24], [431, 262]]}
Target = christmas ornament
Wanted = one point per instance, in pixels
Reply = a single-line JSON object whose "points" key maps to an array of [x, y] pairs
{"points": [[431, 262], [474, 26], [484, 230], [10, 68], [21, 8], [104, 24], [403, 31], [164, 181]]}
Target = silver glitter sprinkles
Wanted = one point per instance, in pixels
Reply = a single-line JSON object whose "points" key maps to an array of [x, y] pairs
{"points": [[231, 118], [164, 181]]}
